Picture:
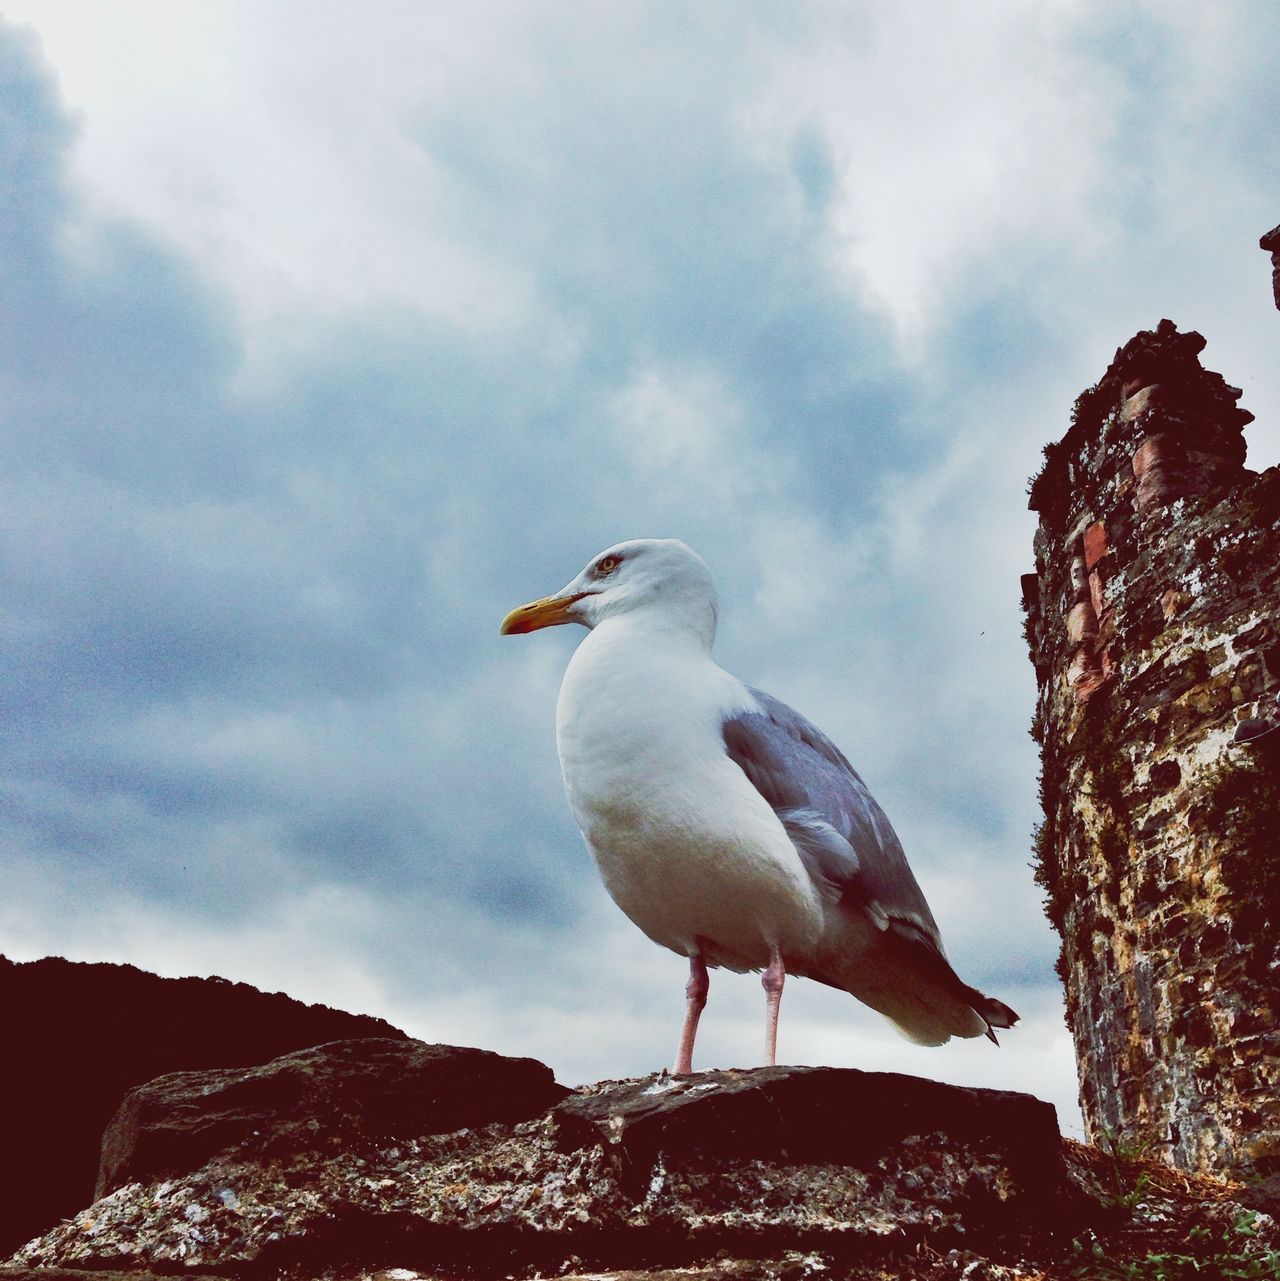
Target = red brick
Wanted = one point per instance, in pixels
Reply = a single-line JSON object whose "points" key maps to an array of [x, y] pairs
{"points": [[1095, 544]]}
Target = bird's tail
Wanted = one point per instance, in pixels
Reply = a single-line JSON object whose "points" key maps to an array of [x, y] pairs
{"points": [[902, 973], [992, 1012], [946, 995]]}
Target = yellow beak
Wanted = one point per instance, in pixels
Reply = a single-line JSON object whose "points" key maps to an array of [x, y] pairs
{"points": [[550, 611]]}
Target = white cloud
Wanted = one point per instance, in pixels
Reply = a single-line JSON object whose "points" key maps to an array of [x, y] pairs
{"points": [[288, 161], [684, 424], [303, 945], [953, 134], [278, 156]]}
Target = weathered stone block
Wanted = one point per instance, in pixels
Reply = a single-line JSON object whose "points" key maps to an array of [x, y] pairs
{"points": [[1084, 676], [18, 1272], [1079, 579], [1163, 473], [804, 1114], [1097, 593], [381, 1089], [1252, 637], [864, 1165], [1139, 401]]}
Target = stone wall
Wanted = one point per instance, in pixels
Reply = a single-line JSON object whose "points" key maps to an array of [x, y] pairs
{"points": [[1153, 621]]}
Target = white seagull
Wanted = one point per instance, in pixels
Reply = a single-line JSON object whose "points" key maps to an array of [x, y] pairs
{"points": [[724, 824]]}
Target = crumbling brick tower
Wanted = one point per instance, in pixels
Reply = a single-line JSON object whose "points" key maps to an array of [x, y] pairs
{"points": [[1153, 620]]}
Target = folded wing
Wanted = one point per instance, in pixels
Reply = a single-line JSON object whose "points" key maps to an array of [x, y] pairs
{"points": [[851, 851]]}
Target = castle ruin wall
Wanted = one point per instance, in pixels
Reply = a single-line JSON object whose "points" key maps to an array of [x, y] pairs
{"points": [[1153, 621]]}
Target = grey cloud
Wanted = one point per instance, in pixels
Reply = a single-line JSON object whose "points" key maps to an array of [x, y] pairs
{"points": [[251, 671]]}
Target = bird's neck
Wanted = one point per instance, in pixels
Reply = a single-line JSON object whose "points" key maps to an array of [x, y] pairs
{"points": [[637, 690], [680, 626]]}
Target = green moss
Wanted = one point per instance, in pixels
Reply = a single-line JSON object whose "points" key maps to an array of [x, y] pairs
{"points": [[1109, 775], [1046, 488], [1050, 452], [1224, 1253], [1091, 406], [1109, 778], [1044, 840], [1037, 726], [1062, 968], [1240, 801]]}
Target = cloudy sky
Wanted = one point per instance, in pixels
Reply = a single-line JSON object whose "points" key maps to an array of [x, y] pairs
{"points": [[333, 331]]}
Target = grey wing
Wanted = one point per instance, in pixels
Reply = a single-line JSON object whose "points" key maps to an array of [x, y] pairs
{"points": [[843, 837]]}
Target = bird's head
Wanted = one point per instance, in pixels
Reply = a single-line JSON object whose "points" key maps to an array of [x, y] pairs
{"points": [[663, 577]]}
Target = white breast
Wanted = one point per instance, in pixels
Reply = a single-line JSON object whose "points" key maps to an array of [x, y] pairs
{"points": [[686, 846]]}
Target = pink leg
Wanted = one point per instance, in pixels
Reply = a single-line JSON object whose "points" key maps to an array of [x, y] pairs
{"points": [[695, 998], [772, 980]]}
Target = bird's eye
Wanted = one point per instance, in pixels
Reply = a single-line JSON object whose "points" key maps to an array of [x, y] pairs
{"points": [[607, 564]]}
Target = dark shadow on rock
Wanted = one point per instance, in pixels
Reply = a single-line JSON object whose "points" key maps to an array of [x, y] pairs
{"points": [[77, 1037]]}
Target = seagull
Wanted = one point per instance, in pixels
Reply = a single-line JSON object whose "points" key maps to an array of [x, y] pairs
{"points": [[725, 825]]}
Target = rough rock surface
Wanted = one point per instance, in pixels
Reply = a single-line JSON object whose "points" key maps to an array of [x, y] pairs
{"points": [[817, 1116], [659, 1171], [317, 1099], [88, 1033], [1153, 620], [19, 1272], [776, 1173]]}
